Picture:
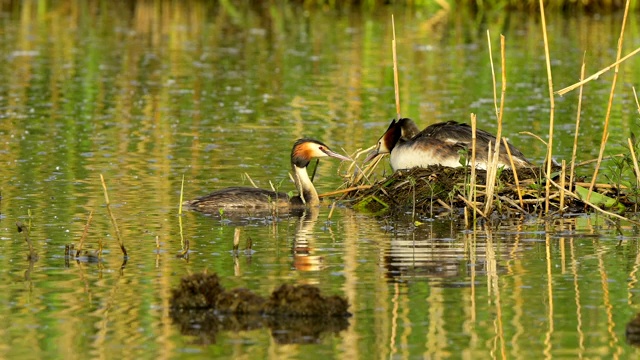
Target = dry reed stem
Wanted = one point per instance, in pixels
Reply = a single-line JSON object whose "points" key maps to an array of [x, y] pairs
{"points": [[535, 136], [251, 180], [515, 172], [587, 162], [396, 83], [185, 246], [562, 184], [512, 203], [493, 74], [344, 191], [472, 205], [236, 239], [635, 161], [605, 129], [597, 75], [84, 233], [333, 206], [357, 173], [552, 106], [602, 186], [490, 180], [444, 204], [181, 196], [472, 182], [635, 96], [598, 163], [575, 138], [492, 158], [113, 218]]}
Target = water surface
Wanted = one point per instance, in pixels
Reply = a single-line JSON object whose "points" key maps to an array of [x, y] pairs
{"points": [[145, 94]]}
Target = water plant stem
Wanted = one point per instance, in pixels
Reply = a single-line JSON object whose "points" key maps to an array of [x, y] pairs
{"points": [[113, 219]]}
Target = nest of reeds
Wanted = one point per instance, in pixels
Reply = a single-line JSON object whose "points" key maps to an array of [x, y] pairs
{"points": [[437, 189]]}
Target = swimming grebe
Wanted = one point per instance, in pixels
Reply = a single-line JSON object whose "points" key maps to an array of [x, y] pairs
{"points": [[439, 143], [251, 198]]}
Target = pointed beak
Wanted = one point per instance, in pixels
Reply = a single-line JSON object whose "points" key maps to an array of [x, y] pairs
{"points": [[335, 155], [372, 155]]}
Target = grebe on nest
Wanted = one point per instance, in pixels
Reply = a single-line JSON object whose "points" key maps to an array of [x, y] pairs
{"points": [[439, 144], [260, 199]]}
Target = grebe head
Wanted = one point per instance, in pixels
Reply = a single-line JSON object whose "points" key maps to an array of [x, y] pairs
{"points": [[306, 149], [387, 141]]}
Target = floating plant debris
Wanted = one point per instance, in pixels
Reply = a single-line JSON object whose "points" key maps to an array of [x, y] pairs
{"points": [[203, 291]]}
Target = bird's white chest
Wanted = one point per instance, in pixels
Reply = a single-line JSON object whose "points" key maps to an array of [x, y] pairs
{"points": [[409, 157]]}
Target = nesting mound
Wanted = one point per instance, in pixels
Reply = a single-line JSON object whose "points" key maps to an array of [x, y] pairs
{"points": [[203, 291], [437, 189]]}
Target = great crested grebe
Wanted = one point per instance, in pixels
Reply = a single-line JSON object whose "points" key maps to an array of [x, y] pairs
{"points": [[251, 198], [438, 144]]}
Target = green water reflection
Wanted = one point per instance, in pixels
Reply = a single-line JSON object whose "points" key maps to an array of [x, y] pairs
{"points": [[145, 93]]}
